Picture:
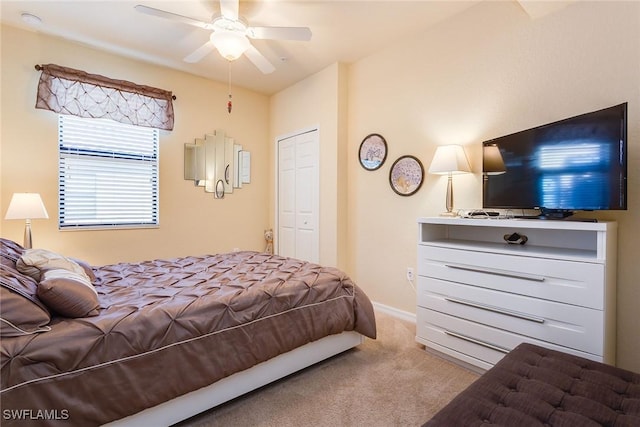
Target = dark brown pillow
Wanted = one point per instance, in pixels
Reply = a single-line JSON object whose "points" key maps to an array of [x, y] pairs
{"points": [[21, 312], [68, 294]]}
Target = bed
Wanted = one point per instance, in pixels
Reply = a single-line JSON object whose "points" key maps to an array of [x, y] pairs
{"points": [[167, 338], [536, 386]]}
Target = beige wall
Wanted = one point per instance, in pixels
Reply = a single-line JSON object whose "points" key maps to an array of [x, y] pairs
{"points": [[191, 222], [319, 101], [483, 74]]}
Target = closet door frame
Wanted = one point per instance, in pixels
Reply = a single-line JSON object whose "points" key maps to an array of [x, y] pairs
{"points": [[301, 237]]}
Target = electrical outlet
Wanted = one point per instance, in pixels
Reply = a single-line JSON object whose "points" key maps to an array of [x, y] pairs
{"points": [[410, 273]]}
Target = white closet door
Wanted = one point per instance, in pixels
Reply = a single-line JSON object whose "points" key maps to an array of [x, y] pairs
{"points": [[298, 196], [286, 237]]}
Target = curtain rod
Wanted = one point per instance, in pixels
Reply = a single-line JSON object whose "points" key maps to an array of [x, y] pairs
{"points": [[39, 68]]}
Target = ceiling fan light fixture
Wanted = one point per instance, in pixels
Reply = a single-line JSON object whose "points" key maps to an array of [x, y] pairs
{"points": [[230, 44]]}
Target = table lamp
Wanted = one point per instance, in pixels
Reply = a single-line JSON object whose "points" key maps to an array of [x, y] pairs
{"points": [[449, 160], [26, 206]]}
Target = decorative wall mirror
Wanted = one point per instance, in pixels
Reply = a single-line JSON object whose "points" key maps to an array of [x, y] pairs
{"points": [[215, 162]]}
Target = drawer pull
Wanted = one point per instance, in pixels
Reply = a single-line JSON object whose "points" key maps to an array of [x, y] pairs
{"points": [[504, 273], [477, 341], [496, 309]]}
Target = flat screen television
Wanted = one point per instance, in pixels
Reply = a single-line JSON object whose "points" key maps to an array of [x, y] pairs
{"points": [[575, 164]]}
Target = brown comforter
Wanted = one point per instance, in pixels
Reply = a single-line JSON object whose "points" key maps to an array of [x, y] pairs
{"points": [[168, 327]]}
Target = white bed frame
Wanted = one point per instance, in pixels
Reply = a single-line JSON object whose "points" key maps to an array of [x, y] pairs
{"points": [[242, 382]]}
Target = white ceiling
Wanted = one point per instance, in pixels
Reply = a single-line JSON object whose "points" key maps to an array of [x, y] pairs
{"points": [[343, 31]]}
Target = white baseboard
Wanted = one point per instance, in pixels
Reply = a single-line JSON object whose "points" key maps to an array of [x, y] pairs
{"points": [[394, 312]]}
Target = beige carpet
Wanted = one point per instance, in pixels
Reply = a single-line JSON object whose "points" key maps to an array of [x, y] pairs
{"points": [[390, 381]]}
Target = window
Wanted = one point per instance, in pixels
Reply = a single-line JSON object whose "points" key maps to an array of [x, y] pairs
{"points": [[108, 174]]}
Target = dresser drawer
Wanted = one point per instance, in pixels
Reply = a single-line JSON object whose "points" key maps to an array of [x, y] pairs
{"points": [[563, 324], [578, 283], [477, 341]]}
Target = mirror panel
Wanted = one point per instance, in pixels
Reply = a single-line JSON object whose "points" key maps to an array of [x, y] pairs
{"points": [[237, 182], [194, 161], [210, 163], [228, 165], [219, 194], [190, 162], [245, 167], [219, 164]]}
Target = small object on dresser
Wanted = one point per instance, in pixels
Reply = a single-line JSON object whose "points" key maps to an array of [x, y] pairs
{"points": [[515, 239], [482, 213]]}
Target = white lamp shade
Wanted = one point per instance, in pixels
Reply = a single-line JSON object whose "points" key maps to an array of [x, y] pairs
{"points": [[449, 159], [230, 44], [492, 162], [26, 206]]}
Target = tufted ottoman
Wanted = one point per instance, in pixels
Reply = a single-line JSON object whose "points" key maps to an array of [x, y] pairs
{"points": [[535, 386]]}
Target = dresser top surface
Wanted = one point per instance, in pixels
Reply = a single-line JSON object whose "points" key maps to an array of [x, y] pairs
{"points": [[521, 223]]}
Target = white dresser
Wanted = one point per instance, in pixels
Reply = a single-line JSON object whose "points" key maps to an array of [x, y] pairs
{"points": [[479, 297]]}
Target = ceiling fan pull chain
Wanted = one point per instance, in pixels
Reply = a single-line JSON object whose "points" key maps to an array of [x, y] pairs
{"points": [[229, 103]]}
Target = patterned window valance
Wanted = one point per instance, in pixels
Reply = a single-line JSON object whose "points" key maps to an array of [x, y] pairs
{"points": [[68, 91]]}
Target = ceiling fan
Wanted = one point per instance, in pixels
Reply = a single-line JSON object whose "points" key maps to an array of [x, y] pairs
{"points": [[230, 34]]}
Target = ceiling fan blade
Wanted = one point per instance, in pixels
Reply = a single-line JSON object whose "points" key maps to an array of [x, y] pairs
{"points": [[172, 16], [259, 60], [200, 53], [229, 9], [280, 33]]}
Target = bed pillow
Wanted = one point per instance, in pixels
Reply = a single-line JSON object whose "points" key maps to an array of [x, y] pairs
{"points": [[10, 252], [21, 312], [68, 293], [87, 269], [34, 262]]}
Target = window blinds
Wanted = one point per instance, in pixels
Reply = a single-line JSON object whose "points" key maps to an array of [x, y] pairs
{"points": [[108, 174]]}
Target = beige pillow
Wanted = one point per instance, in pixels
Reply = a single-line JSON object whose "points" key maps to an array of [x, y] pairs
{"points": [[33, 262], [68, 293], [87, 269]]}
